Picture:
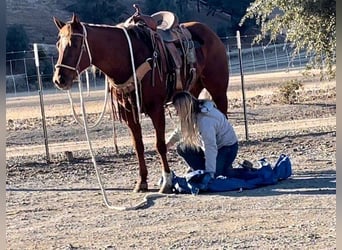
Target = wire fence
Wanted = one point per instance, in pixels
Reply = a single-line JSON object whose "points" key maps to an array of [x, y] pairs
{"points": [[263, 59], [21, 75], [276, 58]]}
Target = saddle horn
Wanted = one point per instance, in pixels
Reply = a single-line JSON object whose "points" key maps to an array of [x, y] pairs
{"points": [[147, 20], [137, 10]]}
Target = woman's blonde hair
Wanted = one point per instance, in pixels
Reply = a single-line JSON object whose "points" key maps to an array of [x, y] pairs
{"points": [[187, 107]]}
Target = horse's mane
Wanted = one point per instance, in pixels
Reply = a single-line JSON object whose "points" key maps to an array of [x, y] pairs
{"points": [[138, 31], [65, 30]]}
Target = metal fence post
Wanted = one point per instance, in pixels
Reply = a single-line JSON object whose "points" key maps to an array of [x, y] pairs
{"points": [[41, 102], [263, 53], [27, 83], [242, 83], [14, 85], [253, 60], [276, 54]]}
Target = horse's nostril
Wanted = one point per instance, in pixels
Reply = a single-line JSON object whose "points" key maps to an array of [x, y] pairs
{"points": [[59, 82], [55, 80]]}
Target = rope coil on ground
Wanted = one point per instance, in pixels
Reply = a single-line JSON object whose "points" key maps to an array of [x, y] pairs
{"points": [[103, 191]]}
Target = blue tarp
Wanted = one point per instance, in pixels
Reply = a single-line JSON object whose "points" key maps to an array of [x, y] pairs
{"points": [[240, 178]]}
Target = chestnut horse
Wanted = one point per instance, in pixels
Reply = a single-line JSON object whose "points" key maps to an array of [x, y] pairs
{"points": [[106, 47]]}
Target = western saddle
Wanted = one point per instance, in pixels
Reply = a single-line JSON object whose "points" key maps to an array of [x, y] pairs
{"points": [[177, 44]]}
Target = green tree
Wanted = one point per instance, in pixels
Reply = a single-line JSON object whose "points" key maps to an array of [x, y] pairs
{"points": [[16, 38], [236, 10], [99, 11], [153, 6], [309, 24]]}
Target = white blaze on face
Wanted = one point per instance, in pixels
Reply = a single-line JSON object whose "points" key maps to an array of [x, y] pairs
{"points": [[64, 41]]}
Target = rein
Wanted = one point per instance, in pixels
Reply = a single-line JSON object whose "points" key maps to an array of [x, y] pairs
{"points": [[85, 46], [103, 191], [77, 119], [134, 73]]}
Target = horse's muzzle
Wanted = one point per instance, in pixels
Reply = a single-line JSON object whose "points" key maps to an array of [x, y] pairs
{"points": [[61, 82], [58, 81]]}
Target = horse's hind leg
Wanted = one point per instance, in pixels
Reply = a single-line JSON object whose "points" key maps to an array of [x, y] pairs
{"points": [[136, 134], [158, 120], [196, 88], [217, 90], [216, 82]]}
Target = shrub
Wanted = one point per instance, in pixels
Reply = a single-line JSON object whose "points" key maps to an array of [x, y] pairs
{"points": [[16, 39], [289, 91]]}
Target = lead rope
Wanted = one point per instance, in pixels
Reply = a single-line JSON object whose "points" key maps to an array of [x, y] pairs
{"points": [[77, 119], [103, 191], [86, 44], [134, 73], [88, 85]]}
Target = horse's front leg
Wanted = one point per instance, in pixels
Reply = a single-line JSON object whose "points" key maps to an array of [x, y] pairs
{"points": [[136, 135], [158, 120]]}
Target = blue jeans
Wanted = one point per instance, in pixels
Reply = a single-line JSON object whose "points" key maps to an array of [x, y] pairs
{"points": [[194, 157]]}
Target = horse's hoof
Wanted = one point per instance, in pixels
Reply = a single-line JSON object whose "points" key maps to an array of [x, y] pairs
{"points": [[140, 187], [166, 187]]}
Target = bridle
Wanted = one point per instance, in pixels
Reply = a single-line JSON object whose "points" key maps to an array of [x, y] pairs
{"points": [[84, 47]]}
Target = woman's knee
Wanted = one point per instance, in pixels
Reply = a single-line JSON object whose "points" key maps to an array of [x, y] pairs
{"points": [[180, 150]]}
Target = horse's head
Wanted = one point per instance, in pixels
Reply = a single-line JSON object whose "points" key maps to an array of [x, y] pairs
{"points": [[73, 52]]}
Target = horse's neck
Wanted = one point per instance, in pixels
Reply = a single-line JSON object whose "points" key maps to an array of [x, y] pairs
{"points": [[109, 51]]}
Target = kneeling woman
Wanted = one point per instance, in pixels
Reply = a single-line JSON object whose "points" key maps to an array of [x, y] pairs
{"points": [[208, 140]]}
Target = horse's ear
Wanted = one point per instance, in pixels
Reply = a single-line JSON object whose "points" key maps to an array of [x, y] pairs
{"points": [[58, 23], [75, 18]]}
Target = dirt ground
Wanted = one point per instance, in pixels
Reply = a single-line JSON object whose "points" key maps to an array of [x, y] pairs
{"points": [[60, 205]]}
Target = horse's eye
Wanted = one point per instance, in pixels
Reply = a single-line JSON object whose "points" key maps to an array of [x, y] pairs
{"points": [[73, 45]]}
